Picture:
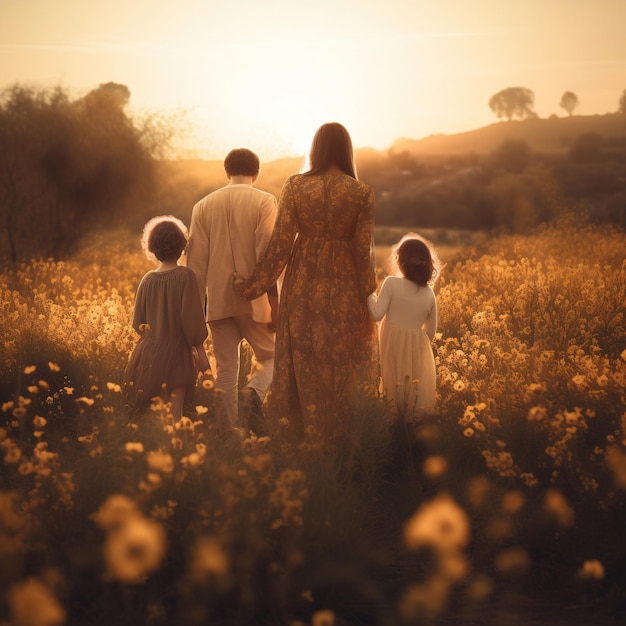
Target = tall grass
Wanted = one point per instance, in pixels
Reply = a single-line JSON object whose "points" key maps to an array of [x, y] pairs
{"points": [[508, 503]]}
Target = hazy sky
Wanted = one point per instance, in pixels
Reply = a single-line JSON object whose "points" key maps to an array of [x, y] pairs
{"points": [[265, 73]]}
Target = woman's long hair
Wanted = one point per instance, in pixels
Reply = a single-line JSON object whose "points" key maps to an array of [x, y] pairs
{"points": [[332, 145]]}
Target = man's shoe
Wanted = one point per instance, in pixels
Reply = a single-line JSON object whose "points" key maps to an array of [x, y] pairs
{"points": [[253, 411]]}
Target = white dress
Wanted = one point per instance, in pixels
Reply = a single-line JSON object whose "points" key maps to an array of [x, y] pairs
{"points": [[409, 320]]}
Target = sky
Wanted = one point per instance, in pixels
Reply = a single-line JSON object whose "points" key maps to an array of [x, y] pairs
{"points": [[264, 74]]}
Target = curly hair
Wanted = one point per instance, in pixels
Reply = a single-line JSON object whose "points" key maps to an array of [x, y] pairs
{"points": [[164, 238], [416, 258]]}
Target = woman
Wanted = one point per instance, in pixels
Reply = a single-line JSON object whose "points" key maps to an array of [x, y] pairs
{"points": [[326, 342]]}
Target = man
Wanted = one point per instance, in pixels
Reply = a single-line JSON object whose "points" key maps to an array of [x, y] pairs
{"points": [[230, 229]]}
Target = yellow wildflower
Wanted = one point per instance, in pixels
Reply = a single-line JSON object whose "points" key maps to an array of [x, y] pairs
{"points": [[324, 617], [210, 561], [114, 511], [557, 504], [160, 461], [512, 561], [435, 466], [134, 550], [591, 570], [441, 524], [32, 603]]}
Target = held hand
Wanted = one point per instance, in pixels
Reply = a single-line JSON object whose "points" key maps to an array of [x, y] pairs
{"points": [[242, 289], [200, 359], [239, 281]]}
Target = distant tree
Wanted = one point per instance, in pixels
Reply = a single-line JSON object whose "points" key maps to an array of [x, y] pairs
{"points": [[67, 166], [569, 102], [114, 96], [513, 102], [622, 102]]}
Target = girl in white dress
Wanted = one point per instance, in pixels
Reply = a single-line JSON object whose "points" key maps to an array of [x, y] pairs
{"points": [[407, 306]]}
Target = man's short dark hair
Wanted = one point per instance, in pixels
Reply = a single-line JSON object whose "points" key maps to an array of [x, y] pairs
{"points": [[241, 162]]}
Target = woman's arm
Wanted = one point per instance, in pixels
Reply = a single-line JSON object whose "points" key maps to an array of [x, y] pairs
{"points": [[278, 250], [364, 256]]}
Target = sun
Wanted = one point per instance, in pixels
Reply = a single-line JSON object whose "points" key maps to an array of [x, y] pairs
{"points": [[297, 117], [282, 125], [267, 105]]}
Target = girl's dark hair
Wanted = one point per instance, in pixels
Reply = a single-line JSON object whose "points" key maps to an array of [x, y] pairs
{"points": [[164, 238], [241, 162], [417, 260], [332, 145]]}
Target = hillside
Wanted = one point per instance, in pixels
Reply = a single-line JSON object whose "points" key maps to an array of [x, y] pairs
{"points": [[477, 193], [551, 135]]}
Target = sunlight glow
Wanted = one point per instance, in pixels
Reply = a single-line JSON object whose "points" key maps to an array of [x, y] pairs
{"points": [[284, 127], [267, 75]]}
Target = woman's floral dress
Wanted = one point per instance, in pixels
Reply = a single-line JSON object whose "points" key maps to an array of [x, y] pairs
{"points": [[326, 342]]}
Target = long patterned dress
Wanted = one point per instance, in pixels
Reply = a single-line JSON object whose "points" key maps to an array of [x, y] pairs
{"points": [[326, 342]]}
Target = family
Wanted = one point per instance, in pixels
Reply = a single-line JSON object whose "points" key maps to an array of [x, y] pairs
{"points": [[296, 280]]}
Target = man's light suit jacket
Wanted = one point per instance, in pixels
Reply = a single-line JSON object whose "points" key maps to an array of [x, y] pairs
{"points": [[229, 231]]}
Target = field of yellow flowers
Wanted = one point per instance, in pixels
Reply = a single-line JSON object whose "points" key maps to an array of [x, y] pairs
{"points": [[508, 507]]}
